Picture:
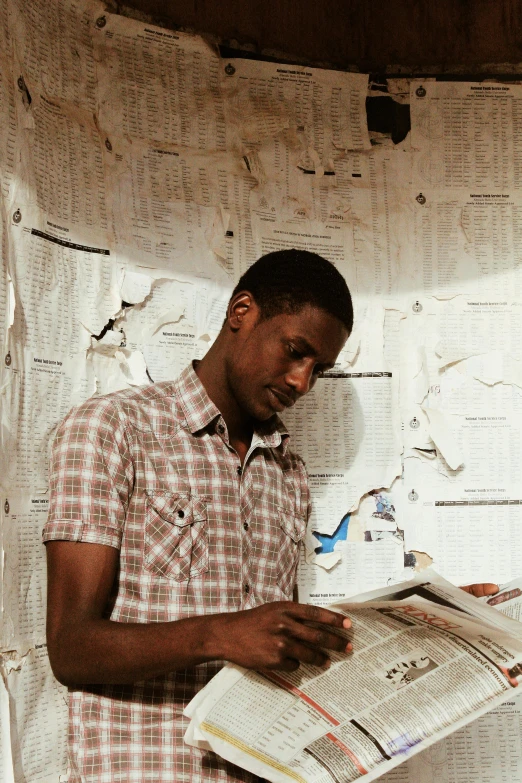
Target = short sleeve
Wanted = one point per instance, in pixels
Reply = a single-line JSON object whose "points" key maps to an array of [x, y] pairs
{"points": [[91, 476]]}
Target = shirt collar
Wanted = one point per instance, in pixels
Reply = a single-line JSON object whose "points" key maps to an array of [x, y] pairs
{"points": [[198, 408], [273, 434], [200, 411]]}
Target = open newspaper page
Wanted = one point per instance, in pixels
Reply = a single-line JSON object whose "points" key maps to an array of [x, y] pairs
{"points": [[508, 600], [420, 669], [430, 585], [487, 750]]}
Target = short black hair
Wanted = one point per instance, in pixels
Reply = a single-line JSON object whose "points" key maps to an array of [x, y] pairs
{"points": [[285, 281]]}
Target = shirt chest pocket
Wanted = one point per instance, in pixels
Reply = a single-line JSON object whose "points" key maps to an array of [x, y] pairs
{"points": [[176, 536], [293, 525], [292, 531]]}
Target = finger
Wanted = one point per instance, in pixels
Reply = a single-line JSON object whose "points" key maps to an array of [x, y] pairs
{"points": [[309, 655], [316, 614], [481, 589], [288, 665], [319, 637]]}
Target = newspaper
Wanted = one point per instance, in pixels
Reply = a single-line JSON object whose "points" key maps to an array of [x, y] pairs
{"points": [[508, 600], [426, 661], [486, 750]]}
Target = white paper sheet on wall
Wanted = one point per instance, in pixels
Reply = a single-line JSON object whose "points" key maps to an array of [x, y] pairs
{"points": [[3, 508], [158, 84], [344, 430], [54, 46], [478, 447], [39, 388], [175, 324], [8, 126], [466, 181], [287, 191], [467, 135], [5, 31], [461, 437], [323, 111], [66, 165], [470, 327], [38, 712], [458, 391], [363, 565], [174, 204], [445, 349], [334, 242], [182, 197], [164, 328], [468, 243], [369, 193], [112, 373], [6, 761], [383, 228], [4, 294], [472, 531], [25, 589], [65, 289]]}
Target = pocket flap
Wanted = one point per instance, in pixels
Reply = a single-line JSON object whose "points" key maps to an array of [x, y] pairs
{"points": [[178, 508], [293, 524]]}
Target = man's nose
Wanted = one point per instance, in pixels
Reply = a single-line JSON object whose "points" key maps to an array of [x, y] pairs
{"points": [[300, 378]]}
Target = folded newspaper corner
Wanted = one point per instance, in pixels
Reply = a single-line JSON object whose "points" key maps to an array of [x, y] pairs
{"points": [[428, 658]]}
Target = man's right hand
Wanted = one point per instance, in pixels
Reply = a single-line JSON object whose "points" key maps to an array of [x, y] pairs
{"points": [[85, 647], [278, 635]]}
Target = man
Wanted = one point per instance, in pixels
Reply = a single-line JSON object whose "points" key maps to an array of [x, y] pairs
{"points": [[175, 522], [173, 536]]}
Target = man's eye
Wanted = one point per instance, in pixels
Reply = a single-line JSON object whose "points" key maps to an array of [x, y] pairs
{"points": [[294, 353]]}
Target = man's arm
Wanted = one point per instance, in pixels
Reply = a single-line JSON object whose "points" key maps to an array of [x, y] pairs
{"points": [[86, 648], [481, 589]]}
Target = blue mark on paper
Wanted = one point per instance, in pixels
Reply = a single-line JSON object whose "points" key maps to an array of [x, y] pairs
{"points": [[402, 744], [327, 543]]}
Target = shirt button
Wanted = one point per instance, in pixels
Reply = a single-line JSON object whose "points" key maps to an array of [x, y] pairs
{"points": [[247, 588], [240, 471], [181, 513], [245, 525], [220, 428]]}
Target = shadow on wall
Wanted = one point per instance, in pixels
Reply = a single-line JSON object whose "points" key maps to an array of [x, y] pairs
{"points": [[331, 445]]}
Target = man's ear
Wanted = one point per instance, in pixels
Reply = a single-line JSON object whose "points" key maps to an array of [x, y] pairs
{"points": [[242, 309]]}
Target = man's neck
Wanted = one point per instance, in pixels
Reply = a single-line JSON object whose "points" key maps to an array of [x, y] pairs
{"points": [[211, 372]]}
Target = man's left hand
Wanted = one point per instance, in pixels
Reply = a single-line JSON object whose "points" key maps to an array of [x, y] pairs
{"points": [[481, 589]]}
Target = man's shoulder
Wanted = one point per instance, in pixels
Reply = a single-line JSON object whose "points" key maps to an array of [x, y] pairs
{"points": [[146, 407], [296, 462], [291, 462], [160, 394]]}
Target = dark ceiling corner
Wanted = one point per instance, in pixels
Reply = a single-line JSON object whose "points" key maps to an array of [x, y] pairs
{"points": [[369, 35]]}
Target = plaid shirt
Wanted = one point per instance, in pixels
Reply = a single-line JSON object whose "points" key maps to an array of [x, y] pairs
{"points": [[152, 473]]}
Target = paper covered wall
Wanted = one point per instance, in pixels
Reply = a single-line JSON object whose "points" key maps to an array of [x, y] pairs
{"points": [[140, 175]]}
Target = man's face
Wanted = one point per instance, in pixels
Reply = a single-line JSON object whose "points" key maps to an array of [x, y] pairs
{"points": [[274, 362]]}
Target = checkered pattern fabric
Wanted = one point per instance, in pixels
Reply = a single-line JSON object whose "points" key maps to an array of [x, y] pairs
{"points": [[151, 472]]}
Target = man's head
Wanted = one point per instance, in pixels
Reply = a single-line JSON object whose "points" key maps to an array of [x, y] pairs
{"points": [[288, 318], [287, 280]]}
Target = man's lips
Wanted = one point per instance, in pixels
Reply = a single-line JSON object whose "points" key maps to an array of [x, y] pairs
{"points": [[282, 399]]}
